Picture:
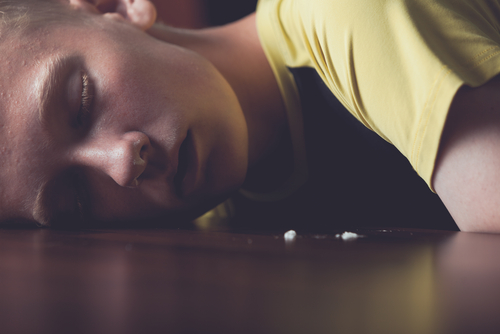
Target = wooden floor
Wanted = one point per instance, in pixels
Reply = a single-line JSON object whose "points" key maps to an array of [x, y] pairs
{"points": [[190, 281]]}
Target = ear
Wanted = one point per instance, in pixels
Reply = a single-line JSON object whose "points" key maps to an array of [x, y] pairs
{"points": [[140, 13]]}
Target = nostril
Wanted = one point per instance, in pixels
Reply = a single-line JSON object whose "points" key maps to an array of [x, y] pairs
{"points": [[140, 145], [143, 151], [140, 152], [123, 158]]}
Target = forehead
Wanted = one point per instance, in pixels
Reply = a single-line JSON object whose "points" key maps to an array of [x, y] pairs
{"points": [[21, 62]]}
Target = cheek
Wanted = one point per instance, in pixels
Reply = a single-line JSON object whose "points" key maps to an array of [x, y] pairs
{"points": [[230, 157], [222, 128], [128, 102]]}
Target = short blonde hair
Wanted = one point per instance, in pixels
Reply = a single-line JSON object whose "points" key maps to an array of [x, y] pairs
{"points": [[17, 16]]}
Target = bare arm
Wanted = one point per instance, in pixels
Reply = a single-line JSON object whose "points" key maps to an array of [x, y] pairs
{"points": [[467, 172]]}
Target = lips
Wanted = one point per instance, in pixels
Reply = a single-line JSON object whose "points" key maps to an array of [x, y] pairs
{"points": [[182, 165]]}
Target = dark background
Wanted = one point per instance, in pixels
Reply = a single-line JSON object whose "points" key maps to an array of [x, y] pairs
{"points": [[202, 13], [223, 11]]}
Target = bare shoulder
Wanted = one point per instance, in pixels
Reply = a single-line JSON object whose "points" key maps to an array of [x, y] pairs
{"points": [[467, 172]]}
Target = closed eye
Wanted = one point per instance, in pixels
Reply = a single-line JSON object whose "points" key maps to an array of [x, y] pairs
{"points": [[86, 99]]}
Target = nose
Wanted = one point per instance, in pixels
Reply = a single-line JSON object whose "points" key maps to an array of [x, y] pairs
{"points": [[124, 158]]}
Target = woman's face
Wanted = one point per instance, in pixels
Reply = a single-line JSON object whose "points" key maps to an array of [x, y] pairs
{"points": [[105, 121]]}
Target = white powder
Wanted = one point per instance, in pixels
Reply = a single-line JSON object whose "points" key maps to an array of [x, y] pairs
{"points": [[347, 236], [290, 235]]}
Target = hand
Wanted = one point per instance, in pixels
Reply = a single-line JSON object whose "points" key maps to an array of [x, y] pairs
{"points": [[140, 13]]}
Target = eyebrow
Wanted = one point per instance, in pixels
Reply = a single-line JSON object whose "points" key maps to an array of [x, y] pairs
{"points": [[49, 81]]}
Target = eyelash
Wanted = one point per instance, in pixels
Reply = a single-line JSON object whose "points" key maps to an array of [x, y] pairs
{"points": [[86, 99]]}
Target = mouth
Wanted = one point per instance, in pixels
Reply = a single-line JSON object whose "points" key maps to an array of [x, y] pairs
{"points": [[182, 165]]}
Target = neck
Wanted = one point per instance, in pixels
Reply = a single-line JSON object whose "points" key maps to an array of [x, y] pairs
{"points": [[236, 52]]}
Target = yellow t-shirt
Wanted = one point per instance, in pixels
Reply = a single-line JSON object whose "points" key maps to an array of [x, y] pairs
{"points": [[394, 64]]}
